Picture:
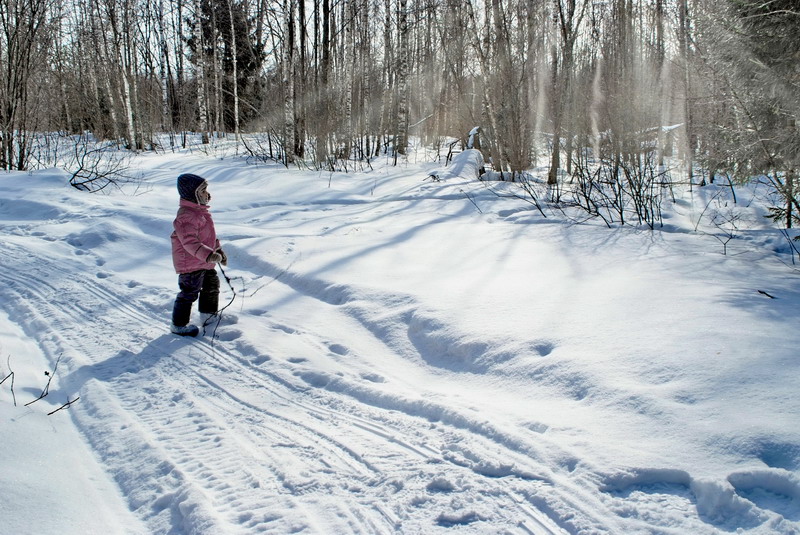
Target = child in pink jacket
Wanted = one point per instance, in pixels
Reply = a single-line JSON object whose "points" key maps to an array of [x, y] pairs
{"points": [[195, 253]]}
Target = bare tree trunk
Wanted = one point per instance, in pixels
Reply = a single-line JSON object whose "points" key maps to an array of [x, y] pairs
{"points": [[348, 76], [365, 111], [127, 56], [790, 197], [323, 129], [299, 80], [389, 62], [594, 109], [164, 69], [683, 37], [663, 81], [235, 57], [119, 60], [555, 108], [401, 130], [104, 71], [216, 63], [126, 97], [288, 82], [567, 20], [62, 86], [179, 106], [200, 73]]}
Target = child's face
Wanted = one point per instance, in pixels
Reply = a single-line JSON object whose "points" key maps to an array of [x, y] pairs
{"points": [[203, 196]]}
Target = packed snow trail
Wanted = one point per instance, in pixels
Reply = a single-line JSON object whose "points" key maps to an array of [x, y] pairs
{"points": [[400, 363], [202, 439]]}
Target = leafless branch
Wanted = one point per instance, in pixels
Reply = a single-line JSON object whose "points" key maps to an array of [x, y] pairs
{"points": [[10, 376], [66, 405], [46, 389]]}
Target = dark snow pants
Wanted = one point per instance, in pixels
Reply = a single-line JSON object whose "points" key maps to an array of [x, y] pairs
{"points": [[202, 284]]}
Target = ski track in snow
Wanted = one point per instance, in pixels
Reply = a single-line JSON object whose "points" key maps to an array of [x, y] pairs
{"points": [[221, 437], [221, 445]]}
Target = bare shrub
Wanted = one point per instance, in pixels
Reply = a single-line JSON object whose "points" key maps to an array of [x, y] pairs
{"points": [[96, 165]]}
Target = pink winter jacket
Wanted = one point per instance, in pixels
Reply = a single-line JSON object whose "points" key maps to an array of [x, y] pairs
{"points": [[194, 238]]}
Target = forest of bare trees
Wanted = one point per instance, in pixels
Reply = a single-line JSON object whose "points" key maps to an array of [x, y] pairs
{"points": [[585, 88]]}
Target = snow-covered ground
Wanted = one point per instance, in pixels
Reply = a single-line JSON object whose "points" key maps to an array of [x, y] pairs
{"points": [[401, 355]]}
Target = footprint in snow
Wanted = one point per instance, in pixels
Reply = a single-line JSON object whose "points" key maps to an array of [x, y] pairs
{"points": [[284, 328], [779, 454], [538, 427], [338, 349], [440, 484], [463, 518], [775, 490], [373, 377], [544, 349], [315, 379], [229, 335], [715, 502], [260, 359], [223, 319]]}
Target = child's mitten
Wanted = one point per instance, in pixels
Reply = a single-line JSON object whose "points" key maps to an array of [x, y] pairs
{"points": [[224, 260]]}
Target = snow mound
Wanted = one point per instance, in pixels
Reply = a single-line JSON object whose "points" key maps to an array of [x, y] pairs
{"points": [[395, 357], [466, 165]]}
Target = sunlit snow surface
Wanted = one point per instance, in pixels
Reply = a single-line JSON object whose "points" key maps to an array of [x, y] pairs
{"points": [[401, 355]]}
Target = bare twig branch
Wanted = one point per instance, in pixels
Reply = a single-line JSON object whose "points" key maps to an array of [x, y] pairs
{"points": [[11, 376], [97, 165], [47, 386], [469, 197], [66, 405]]}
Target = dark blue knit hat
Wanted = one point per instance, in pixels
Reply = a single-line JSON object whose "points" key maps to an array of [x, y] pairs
{"points": [[187, 186]]}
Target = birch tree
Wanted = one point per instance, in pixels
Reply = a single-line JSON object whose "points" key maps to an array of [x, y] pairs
{"points": [[402, 119], [289, 143]]}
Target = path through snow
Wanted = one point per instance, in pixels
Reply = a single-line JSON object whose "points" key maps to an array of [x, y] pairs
{"points": [[396, 362]]}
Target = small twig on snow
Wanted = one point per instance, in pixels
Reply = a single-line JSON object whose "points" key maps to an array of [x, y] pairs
{"points": [[66, 405], [47, 386], [10, 375], [762, 292], [275, 278], [467, 195]]}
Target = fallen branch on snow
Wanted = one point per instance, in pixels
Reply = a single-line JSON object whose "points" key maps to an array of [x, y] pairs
{"points": [[66, 405]]}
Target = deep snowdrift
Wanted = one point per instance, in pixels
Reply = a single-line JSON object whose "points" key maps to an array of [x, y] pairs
{"points": [[401, 355]]}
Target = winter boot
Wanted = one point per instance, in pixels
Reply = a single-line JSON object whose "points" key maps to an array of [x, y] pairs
{"points": [[207, 318], [186, 330]]}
